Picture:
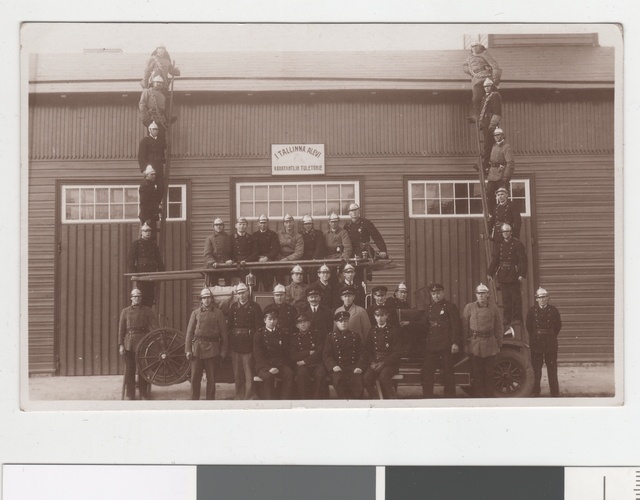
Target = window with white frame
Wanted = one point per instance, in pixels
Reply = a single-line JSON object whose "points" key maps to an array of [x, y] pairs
{"points": [[83, 204], [453, 198], [276, 199]]}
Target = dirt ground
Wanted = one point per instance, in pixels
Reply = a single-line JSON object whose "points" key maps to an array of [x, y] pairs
{"points": [[586, 380]]}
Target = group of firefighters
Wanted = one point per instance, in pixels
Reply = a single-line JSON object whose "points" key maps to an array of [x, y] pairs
{"points": [[317, 329]]}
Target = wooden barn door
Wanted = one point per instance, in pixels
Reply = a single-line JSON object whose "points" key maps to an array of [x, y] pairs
{"points": [[92, 290]]}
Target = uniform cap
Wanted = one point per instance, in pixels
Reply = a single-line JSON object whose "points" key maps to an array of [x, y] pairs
{"points": [[136, 293], [487, 82], [269, 312], [302, 317], [541, 292], [353, 206], [348, 267], [312, 291], [287, 217], [435, 287], [505, 227], [380, 288], [241, 219], [263, 218], [157, 78], [502, 190], [324, 268], [149, 170], [153, 125], [241, 288], [334, 217], [402, 287], [347, 290], [205, 293], [296, 270], [498, 131], [279, 289], [307, 219], [145, 227], [381, 308], [341, 315], [218, 220], [482, 288]]}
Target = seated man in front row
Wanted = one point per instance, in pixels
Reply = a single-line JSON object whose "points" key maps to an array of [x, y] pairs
{"points": [[305, 350], [271, 352], [384, 352], [344, 358]]}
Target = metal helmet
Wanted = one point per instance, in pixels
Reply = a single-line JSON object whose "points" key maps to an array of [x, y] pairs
{"points": [[541, 292], [145, 227], [504, 228], [205, 293], [217, 220], [149, 170], [324, 268], [153, 125], [354, 206], [348, 267], [307, 219], [502, 190], [241, 219], [136, 293], [402, 287], [498, 131], [157, 78], [481, 288], [487, 82], [334, 218], [287, 218], [279, 289], [263, 218], [296, 270], [241, 287]]}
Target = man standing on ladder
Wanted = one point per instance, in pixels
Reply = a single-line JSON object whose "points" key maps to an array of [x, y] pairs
{"points": [[501, 166], [489, 119]]}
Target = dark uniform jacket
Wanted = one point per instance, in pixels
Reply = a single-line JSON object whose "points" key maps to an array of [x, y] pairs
{"points": [[149, 201], [207, 335], [510, 261], [544, 326], [507, 213], [144, 256], [244, 321], [322, 320], [286, 314], [291, 245], [361, 232], [441, 323], [301, 345], [383, 345], [150, 152], [491, 111], [360, 293], [327, 292], [343, 349], [217, 249], [270, 348], [314, 245], [135, 323], [397, 304], [243, 248], [338, 244], [267, 244]]}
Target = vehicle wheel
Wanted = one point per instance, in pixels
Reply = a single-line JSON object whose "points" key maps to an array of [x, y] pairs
{"points": [[513, 375], [161, 358]]}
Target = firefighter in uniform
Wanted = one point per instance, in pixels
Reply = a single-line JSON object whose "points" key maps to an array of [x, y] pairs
{"points": [[349, 278], [361, 231], [502, 163], [510, 264], [441, 321], [243, 247], [144, 256], [399, 299], [271, 352], [149, 201], [313, 243], [135, 322], [482, 329], [505, 212], [358, 317], [267, 246], [305, 350], [152, 107], [159, 64], [490, 115], [286, 314], [206, 344], [337, 240], [325, 287], [544, 325], [479, 66], [245, 317], [383, 348], [217, 249], [379, 294], [291, 244], [344, 358], [296, 291], [151, 151]]}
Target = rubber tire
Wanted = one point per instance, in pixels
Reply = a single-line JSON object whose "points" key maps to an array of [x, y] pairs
{"points": [[513, 375]]}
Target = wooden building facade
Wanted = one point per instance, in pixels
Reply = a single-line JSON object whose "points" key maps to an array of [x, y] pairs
{"points": [[399, 145]]}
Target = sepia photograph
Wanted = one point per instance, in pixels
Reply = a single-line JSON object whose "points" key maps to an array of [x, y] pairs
{"points": [[255, 216]]}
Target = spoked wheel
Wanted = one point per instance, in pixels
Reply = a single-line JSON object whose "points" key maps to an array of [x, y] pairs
{"points": [[161, 359], [513, 375]]}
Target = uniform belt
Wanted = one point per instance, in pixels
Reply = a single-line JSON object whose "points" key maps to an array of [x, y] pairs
{"points": [[543, 331], [438, 323], [481, 334], [206, 338], [507, 265], [380, 355], [137, 330], [241, 331]]}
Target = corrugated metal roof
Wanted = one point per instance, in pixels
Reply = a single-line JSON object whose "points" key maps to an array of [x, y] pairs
{"points": [[523, 67]]}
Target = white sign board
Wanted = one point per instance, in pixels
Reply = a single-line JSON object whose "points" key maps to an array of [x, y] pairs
{"points": [[297, 159]]}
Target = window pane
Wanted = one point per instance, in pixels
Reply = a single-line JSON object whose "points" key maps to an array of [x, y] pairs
{"points": [[447, 206], [417, 191], [462, 207], [475, 190], [117, 195], [131, 195], [304, 208], [116, 212], [102, 195], [261, 208], [262, 193], [433, 191], [418, 207], [517, 189], [73, 212], [86, 195], [275, 193], [175, 194], [476, 206], [333, 192], [519, 203], [246, 193], [102, 212], [246, 209], [291, 208], [275, 209], [319, 208], [131, 211], [319, 192], [348, 192], [433, 207], [333, 208], [303, 193], [73, 195], [175, 210], [86, 212], [462, 190], [446, 190]]}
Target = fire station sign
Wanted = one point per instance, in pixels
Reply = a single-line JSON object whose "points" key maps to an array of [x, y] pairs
{"points": [[297, 159]]}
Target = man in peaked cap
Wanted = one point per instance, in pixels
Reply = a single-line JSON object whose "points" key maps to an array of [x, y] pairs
{"points": [[271, 352], [217, 249], [358, 317], [480, 65], [144, 257], [244, 319], [285, 312], [505, 212], [379, 294], [151, 151], [320, 315], [149, 200], [206, 343], [544, 325], [305, 350], [135, 322], [337, 240], [384, 350], [344, 358], [441, 323], [490, 115], [509, 264], [296, 291], [501, 166], [267, 246], [482, 329]]}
